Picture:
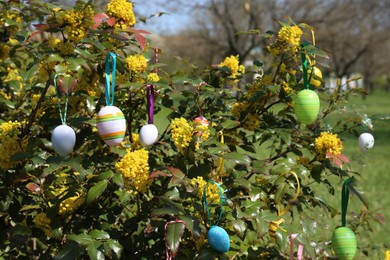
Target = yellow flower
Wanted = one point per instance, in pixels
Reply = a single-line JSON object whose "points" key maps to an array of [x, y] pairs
{"points": [[134, 168], [181, 132], [69, 205], [290, 34], [136, 63], [233, 64], [212, 190], [43, 222], [10, 143], [152, 77], [328, 143], [4, 52], [122, 11], [387, 255], [238, 108], [252, 122]]}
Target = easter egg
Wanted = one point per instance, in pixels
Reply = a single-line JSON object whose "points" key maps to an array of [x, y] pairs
{"points": [[218, 239], [200, 120], [148, 135], [111, 125], [366, 141], [344, 243], [307, 106], [63, 139]]}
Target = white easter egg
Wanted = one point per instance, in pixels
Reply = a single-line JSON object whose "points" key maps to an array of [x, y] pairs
{"points": [[111, 124], [366, 141], [63, 139], [148, 135]]}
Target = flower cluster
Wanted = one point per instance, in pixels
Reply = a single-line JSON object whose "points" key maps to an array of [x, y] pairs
{"points": [[290, 34], [328, 143], [76, 21], [43, 222], [252, 122], [136, 63], [134, 168], [212, 189], [69, 205], [182, 132], [234, 66], [10, 143], [152, 77], [122, 11]]}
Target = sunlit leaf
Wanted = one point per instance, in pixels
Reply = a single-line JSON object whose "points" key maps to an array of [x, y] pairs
{"points": [[173, 235]]}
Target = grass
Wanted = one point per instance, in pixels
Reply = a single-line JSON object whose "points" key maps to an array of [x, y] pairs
{"points": [[374, 167]]}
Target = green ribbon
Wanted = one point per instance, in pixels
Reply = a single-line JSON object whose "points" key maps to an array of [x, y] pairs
{"points": [[207, 204], [110, 84], [305, 65], [344, 201], [62, 116]]}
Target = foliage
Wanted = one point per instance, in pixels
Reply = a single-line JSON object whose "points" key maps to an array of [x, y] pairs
{"points": [[95, 203]]}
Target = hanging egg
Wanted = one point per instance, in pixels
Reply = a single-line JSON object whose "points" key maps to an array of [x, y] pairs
{"points": [[366, 141], [307, 106], [344, 243], [218, 239], [148, 135], [63, 139], [111, 125], [200, 120]]}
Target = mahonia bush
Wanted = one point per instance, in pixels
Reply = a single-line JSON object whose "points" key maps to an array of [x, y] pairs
{"points": [[120, 202]]}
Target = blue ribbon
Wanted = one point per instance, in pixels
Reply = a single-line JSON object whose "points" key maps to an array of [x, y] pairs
{"points": [[110, 84]]}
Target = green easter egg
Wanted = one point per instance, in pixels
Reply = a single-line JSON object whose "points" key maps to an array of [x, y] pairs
{"points": [[307, 106], [344, 243]]}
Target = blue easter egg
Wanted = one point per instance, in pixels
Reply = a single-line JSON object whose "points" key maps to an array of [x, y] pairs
{"points": [[218, 239]]}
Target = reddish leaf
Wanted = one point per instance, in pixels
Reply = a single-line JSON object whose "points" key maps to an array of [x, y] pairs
{"points": [[157, 174], [380, 218], [334, 159], [110, 21], [33, 187], [41, 28], [67, 85], [343, 158], [98, 19], [178, 176], [141, 40], [137, 31]]}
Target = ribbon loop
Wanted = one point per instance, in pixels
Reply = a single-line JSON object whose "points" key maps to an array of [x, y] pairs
{"points": [[62, 116], [281, 213], [344, 201], [150, 103], [207, 204], [110, 68]]}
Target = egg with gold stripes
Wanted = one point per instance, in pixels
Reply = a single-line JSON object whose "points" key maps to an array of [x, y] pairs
{"points": [[307, 106], [111, 125], [344, 243]]}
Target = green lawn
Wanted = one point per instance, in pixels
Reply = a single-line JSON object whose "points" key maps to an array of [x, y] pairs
{"points": [[374, 167]]}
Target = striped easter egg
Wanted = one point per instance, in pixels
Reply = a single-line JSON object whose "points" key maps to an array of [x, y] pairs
{"points": [[200, 120], [307, 106], [344, 243], [111, 125]]}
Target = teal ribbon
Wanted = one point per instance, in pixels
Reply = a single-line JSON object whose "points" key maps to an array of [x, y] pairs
{"points": [[344, 201], [305, 65], [62, 116], [207, 204], [110, 68]]}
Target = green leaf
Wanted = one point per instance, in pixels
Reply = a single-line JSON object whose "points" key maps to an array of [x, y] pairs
{"points": [[170, 211], [173, 236], [82, 239], [70, 251], [96, 191], [280, 191], [237, 158], [94, 253], [115, 246], [239, 227], [106, 175], [99, 234]]}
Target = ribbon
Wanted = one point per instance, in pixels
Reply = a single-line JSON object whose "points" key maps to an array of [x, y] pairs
{"points": [[344, 201], [300, 248], [281, 213], [198, 89], [150, 103], [110, 84], [156, 59], [62, 116], [207, 204], [306, 80]]}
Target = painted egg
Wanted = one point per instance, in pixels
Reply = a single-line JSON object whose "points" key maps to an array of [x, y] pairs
{"points": [[366, 141], [307, 106], [200, 120], [344, 243], [148, 135], [63, 139], [111, 125], [218, 239]]}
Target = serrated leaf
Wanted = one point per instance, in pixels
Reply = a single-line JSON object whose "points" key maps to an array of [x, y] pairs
{"points": [[178, 175], [99, 234], [96, 190], [93, 252], [237, 158], [173, 235], [70, 251]]}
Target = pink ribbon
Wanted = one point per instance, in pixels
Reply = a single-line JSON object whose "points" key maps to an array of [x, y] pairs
{"points": [[300, 248]]}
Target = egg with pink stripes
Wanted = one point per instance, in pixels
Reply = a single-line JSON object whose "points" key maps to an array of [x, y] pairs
{"points": [[200, 120], [111, 125]]}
